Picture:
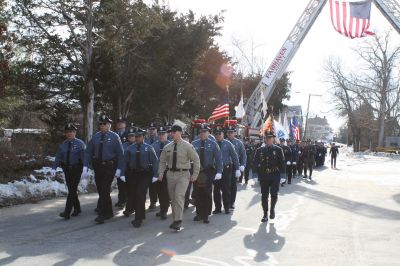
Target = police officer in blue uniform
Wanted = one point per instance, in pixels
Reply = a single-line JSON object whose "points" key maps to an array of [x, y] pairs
{"points": [[131, 136], [161, 188], [210, 170], [241, 152], [120, 129], [139, 170], [230, 163], [295, 155], [250, 149], [309, 153], [269, 162], [152, 134], [69, 156], [105, 153]]}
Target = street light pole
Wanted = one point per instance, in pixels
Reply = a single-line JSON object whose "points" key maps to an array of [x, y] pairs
{"points": [[308, 109]]}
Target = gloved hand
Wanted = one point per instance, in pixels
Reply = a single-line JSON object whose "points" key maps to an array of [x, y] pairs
{"points": [[238, 173], [53, 172], [122, 178], [118, 173], [294, 163], [241, 168], [299, 152], [155, 179], [218, 176], [288, 163], [85, 172]]}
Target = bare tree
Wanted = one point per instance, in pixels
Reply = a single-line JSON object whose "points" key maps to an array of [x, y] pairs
{"points": [[376, 84]]}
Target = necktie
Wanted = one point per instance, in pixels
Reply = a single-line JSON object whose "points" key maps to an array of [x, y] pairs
{"points": [[138, 163], [219, 144], [202, 153], [69, 152], [174, 157], [100, 155]]}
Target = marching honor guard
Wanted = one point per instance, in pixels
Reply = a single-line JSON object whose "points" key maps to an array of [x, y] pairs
{"points": [[105, 153], [210, 170], [269, 162], [161, 188], [176, 158], [230, 163], [140, 169], [70, 156]]}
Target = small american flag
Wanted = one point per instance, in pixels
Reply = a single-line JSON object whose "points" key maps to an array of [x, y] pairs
{"points": [[351, 18], [220, 111]]}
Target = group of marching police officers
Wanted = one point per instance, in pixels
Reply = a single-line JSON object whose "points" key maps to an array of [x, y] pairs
{"points": [[163, 162]]}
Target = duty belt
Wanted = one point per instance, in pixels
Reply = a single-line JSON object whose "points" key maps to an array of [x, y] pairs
{"points": [[177, 170], [271, 170], [110, 162]]}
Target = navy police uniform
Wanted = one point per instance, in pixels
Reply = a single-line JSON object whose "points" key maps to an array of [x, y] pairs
{"points": [[105, 153], [140, 165], [69, 157], [161, 188], [269, 162], [210, 164]]}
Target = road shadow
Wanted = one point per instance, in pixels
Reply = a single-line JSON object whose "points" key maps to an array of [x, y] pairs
{"points": [[264, 241], [166, 244]]}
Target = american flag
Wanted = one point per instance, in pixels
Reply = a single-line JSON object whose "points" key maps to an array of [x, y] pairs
{"points": [[220, 111], [295, 129], [351, 18]]}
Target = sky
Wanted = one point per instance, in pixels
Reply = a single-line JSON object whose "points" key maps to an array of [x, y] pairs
{"points": [[267, 24]]}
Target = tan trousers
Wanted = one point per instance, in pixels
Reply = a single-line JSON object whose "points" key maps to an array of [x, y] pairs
{"points": [[177, 186]]}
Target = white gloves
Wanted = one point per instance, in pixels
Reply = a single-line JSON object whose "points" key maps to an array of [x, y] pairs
{"points": [[288, 163], [238, 173], [53, 172], [299, 152], [155, 179], [241, 168], [122, 178], [218, 176], [294, 163], [118, 173], [85, 172]]}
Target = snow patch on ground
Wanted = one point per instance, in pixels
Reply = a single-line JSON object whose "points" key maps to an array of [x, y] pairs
{"points": [[40, 185]]}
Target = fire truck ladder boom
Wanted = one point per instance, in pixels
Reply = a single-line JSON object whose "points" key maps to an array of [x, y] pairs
{"points": [[389, 8]]}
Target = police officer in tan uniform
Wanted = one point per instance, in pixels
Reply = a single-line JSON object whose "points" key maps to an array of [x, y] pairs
{"points": [[175, 158]]}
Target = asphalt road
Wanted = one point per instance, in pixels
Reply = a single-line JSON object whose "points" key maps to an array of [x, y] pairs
{"points": [[349, 216]]}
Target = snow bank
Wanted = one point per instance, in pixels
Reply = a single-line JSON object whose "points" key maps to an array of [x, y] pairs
{"points": [[349, 152], [40, 185]]}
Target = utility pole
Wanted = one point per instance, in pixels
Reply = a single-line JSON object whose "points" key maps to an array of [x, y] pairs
{"points": [[308, 109]]}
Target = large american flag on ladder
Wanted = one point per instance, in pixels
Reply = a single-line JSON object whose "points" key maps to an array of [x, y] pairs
{"points": [[351, 18], [220, 111]]}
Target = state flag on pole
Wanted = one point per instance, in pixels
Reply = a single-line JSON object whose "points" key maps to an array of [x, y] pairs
{"points": [[220, 111], [351, 18]]}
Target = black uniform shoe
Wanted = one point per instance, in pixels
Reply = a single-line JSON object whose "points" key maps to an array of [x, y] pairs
{"points": [[97, 210], [64, 215], [310, 178], [99, 220], [272, 214], [246, 182], [176, 225], [305, 176], [205, 220], [264, 219], [289, 182], [137, 223], [152, 206], [119, 204], [76, 213], [163, 216], [217, 211], [127, 213], [227, 211], [232, 207], [197, 218]]}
